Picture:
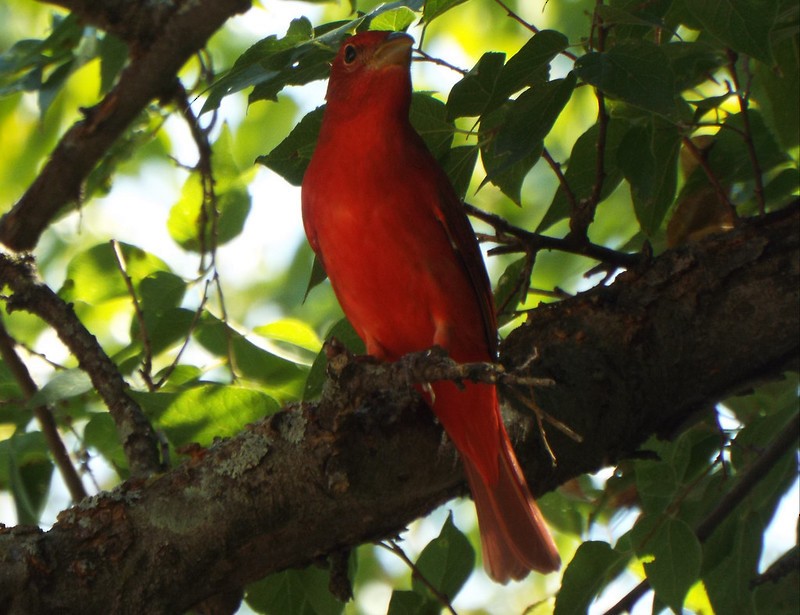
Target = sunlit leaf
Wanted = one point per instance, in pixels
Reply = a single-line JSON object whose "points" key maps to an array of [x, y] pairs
{"points": [[291, 157]]}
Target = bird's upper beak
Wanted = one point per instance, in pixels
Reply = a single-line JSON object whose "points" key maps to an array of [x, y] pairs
{"points": [[395, 50]]}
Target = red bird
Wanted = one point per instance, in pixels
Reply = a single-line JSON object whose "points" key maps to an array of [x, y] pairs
{"points": [[383, 218]]}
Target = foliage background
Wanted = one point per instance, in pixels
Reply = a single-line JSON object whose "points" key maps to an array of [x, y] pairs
{"points": [[235, 294]]}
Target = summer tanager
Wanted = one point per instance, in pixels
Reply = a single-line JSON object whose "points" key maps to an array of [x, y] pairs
{"points": [[392, 235]]}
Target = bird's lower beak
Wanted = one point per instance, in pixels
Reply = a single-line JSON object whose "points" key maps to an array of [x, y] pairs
{"points": [[395, 50]]}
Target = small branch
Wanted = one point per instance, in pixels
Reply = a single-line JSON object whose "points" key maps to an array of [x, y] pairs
{"points": [[562, 180], [43, 414], [429, 58], [136, 434], [744, 100], [147, 349], [722, 193], [535, 242]]}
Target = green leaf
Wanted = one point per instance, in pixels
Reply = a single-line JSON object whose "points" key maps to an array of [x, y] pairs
{"points": [[191, 218], [648, 158], [511, 290], [93, 276], [742, 25], [25, 471], [429, 117], [777, 89], [283, 377], [318, 276], [693, 62], [101, 435], [395, 20], [471, 95], [63, 385], [730, 561], [676, 564], [529, 66], [161, 290], [459, 164], [291, 331], [113, 55], [594, 565], [530, 118], [656, 484], [202, 413], [294, 592], [446, 562], [292, 155], [404, 602], [435, 8], [581, 172], [637, 72], [508, 178]]}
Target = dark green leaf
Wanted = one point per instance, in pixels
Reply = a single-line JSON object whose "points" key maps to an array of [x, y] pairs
{"points": [[405, 602], [594, 565], [676, 566], [637, 72], [429, 117], [471, 95], [511, 290], [459, 164], [530, 118], [294, 592], [25, 471], [508, 178], [113, 55], [742, 25], [778, 90], [730, 561], [648, 157], [581, 171], [656, 484], [446, 562], [291, 157], [692, 63], [529, 66]]}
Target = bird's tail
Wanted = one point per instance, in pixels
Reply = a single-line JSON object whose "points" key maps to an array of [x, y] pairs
{"points": [[514, 536]]}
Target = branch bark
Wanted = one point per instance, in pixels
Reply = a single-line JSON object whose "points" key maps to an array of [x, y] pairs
{"points": [[641, 356]]}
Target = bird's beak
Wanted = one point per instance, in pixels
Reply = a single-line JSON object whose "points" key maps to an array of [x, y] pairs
{"points": [[394, 51]]}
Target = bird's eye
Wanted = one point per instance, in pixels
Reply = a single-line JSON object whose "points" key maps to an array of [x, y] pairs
{"points": [[350, 54]]}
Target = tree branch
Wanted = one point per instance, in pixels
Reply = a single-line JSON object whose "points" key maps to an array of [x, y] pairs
{"points": [[150, 75], [135, 432], [641, 356]]}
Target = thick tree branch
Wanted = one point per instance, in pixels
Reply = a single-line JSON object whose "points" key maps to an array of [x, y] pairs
{"points": [[641, 356], [150, 75]]}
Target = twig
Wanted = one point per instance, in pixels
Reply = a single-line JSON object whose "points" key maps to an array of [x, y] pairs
{"points": [[536, 242], [747, 481], [744, 100], [562, 180], [43, 414], [136, 433], [429, 58], [529, 26], [722, 194], [147, 349], [444, 600]]}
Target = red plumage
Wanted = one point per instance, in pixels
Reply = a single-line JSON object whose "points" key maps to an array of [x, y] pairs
{"points": [[404, 263]]}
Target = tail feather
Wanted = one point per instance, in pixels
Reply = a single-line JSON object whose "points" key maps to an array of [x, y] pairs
{"points": [[514, 536]]}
